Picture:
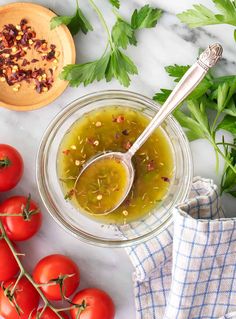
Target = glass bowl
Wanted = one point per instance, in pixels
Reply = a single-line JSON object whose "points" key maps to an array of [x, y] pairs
{"points": [[82, 226]]}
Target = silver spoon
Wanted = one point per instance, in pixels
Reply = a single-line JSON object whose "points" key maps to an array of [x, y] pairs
{"points": [[184, 87]]}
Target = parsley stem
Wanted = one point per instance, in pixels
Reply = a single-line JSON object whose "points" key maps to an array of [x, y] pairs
{"points": [[116, 13], [103, 22], [228, 144], [217, 161], [77, 4], [227, 160], [213, 127]]}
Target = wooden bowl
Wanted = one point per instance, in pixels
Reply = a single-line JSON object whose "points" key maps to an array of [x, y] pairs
{"points": [[38, 18]]}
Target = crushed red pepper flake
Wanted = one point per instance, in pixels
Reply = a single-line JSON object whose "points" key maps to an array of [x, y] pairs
{"points": [[66, 152], [165, 179], [150, 166], [15, 41], [127, 202], [118, 119], [125, 132], [117, 136], [70, 194], [127, 145]]}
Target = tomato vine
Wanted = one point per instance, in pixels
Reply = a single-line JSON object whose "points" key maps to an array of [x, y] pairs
{"points": [[23, 273]]}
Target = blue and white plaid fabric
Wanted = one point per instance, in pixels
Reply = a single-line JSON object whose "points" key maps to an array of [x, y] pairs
{"points": [[189, 270]]}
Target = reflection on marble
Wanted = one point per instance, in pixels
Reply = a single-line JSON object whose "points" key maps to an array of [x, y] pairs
{"points": [[171, 42]]}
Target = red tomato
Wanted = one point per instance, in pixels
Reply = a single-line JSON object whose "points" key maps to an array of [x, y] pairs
{"points": [[20, 227], [26, 296], [98, 305], [49, 314], [11, 167], [8, 265], [54, 267]]}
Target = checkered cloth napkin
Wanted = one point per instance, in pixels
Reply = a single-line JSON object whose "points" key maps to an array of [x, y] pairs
{"points": [[189, 270]]}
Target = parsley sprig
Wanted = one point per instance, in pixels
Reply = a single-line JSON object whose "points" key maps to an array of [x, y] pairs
{"points": [[115, 3], [201, 16], [113, 63], [75, 23], [124, 33], [228, 181], [215, 95]]}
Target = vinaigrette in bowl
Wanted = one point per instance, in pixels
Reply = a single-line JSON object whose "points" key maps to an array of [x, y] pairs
{"points": [[114, 128], [111, 121]]}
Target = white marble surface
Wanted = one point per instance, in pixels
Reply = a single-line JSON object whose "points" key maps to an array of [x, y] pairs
{"points": [[171, 42]]}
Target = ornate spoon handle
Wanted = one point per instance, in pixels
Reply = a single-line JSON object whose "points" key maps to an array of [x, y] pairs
{"points": [[185, 86]]}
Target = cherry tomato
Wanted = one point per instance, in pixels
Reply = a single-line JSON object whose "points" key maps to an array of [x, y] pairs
{"points": [[98, 304], [11, 167], [49, 314], [21, 227], [8, 265], [55, 267], [26, 297]]}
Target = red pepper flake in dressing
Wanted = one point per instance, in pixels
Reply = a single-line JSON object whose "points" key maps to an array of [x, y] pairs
{"points": [[127, 145], [150, 166], [90, 141], [66, 152], [117, 136], [125, 132], [70, 194], [165, 179], [127, 202], [118, 119]]}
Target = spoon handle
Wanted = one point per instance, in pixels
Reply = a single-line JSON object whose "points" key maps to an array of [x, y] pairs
{"points": [[186, 85]]}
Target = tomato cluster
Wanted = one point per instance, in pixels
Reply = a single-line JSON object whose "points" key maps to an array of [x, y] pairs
{"points": [[57, 276]]}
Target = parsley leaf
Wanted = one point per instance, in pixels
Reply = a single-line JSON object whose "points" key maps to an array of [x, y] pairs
{"points": [[177, 72], [193, 129], [112, 64], [225, 92], [162, 96], [228, 181], [75, 23], [146, 17], [120, 67], [229, 124], [115, 3], [85, 73], [123, 34], [217, 94], [200, 15]]}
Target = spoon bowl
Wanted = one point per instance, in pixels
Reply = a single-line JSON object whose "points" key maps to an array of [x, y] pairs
{"points": [[125, 160]]}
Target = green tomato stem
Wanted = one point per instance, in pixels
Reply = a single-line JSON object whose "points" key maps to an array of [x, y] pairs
{"points": [[42, 311], [46, 284], [5, 162], [17, 281], [24, 273]]}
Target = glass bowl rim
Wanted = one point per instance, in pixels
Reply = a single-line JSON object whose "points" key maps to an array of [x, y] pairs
{"points": [[51, 131]]}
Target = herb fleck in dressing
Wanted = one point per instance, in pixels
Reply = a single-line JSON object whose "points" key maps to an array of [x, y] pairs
{"points": [[101, 186], [115, 129]]}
